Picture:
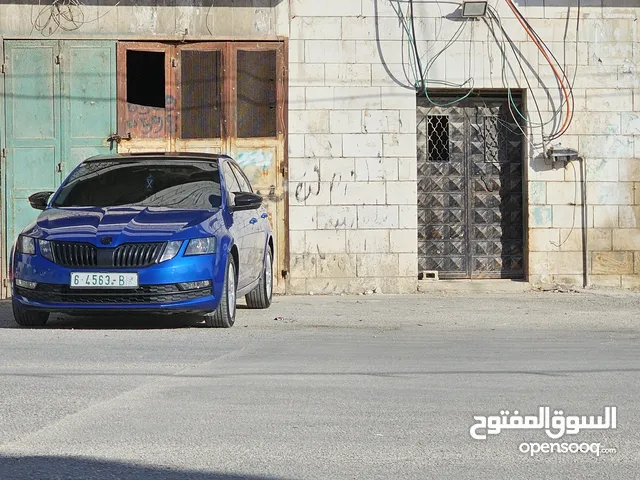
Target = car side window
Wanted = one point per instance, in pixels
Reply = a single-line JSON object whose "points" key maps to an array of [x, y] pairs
{"points": [[245, 185], [231, 182]]}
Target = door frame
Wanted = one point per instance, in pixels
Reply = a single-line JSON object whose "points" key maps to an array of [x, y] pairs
{"points": [[493, 95], [4, 264]]}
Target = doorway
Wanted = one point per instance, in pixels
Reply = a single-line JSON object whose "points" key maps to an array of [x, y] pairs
{"points": [[212, 97], [470, 188], [60, 108]]}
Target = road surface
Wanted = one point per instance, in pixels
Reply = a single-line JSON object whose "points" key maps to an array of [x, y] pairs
{"points": [[323, 387]]}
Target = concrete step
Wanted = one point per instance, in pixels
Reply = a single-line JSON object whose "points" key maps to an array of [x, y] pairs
{"points": [[474, 286]]}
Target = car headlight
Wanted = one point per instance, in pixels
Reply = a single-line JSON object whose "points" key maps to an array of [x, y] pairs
{"points": [[171, 250], [26, 245], [201, 246], [45, 249]]}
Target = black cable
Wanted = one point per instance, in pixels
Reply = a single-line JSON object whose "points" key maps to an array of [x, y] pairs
{"points": [[496, 17], [555, 135], [415, 44]]}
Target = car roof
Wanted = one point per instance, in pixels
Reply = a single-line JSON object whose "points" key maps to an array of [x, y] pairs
{"points": [[193, 156]]}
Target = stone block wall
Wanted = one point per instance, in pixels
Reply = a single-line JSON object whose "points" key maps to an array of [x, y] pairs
{"points": [[352, 150], [352, 156], [197, 20]]}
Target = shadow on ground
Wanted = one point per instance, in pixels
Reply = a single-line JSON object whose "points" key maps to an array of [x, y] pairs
{"points": [[77, 468], [123, 320]]}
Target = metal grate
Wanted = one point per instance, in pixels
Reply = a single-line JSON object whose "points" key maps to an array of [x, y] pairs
{"points": [[71, 254], [257, 94], [470, 202], [201, 80], [438, 138]]}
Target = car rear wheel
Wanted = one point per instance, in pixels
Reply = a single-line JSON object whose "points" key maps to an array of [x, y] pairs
{"points": [[260, 297], [28, 318], [225, 315]]}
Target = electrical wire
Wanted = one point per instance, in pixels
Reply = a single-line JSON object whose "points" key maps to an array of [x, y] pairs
{"points": [[66, 15], [545, 53], [495, 16], [421, 79], [567, 89]]}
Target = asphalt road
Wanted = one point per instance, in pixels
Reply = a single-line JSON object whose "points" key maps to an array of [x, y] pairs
{"points": [[322, 387]]}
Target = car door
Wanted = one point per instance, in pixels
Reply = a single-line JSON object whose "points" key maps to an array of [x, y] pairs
{"points": [[256, 237], [240, 228]]}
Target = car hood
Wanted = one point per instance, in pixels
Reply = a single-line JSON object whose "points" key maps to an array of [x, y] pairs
{"points": [[123, 224]]}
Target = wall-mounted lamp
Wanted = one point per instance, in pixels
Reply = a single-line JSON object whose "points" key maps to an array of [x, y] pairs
{"points": [[474, 9]]}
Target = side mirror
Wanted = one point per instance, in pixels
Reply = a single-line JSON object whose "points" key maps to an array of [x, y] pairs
{"points": [[39, 200], [246, 201]]}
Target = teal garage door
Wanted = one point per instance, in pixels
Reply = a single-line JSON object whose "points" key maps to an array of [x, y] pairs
{"points": [[60, 107]]}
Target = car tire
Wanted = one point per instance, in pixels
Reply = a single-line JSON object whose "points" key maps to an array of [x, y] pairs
{"points": [[28, 318], [225, 315], [260, 297]]}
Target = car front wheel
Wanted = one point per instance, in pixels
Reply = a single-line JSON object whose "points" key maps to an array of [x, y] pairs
{"points": [[225, 315], [260, 297], [28, 318]]}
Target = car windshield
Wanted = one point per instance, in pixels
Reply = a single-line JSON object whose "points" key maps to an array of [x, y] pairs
{"points": [[146, 183]]}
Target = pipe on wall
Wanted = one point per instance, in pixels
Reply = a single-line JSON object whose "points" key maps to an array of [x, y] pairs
{"points": [[585, 223]]}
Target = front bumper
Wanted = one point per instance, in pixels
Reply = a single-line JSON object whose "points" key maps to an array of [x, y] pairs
{"points": [[158, 289]]}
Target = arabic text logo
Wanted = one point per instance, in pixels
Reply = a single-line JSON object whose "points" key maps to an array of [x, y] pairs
{"points": [[555, 426]]}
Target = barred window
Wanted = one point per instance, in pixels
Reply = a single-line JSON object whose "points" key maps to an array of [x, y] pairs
{"points": [[438, 138]]}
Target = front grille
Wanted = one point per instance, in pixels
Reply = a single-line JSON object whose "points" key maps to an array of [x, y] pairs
{"points": [[129, 255], [75, 254], [151, 294], [137, 254]]}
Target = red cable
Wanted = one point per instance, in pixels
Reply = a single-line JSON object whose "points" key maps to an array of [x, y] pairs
{"points": [[555, 72]]}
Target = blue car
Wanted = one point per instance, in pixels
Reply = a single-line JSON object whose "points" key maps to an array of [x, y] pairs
{"points": [[158, 233]]}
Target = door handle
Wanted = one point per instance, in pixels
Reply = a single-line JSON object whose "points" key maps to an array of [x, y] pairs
{"points": [[114, 137], [264, 215], [253, 220]]}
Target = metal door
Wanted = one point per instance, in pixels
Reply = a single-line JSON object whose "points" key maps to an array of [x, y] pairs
{"points": [[202, 108], [220, 97], [32, 106], [470, 190], [60, 109], [88, 100], [257, 132], [145, 126]]}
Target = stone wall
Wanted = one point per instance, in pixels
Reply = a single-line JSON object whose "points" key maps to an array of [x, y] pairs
{"points": [[352, 155], [352, 147], [194, 19]]}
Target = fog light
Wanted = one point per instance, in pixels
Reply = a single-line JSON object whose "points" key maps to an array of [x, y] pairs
{"points": [[25, 284], [194, 285]]}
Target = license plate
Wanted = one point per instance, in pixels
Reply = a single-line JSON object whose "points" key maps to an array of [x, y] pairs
{"points": [[103, 280]]}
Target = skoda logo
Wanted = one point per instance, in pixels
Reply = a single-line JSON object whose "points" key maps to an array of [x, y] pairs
{"points": [[106, 240]]}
